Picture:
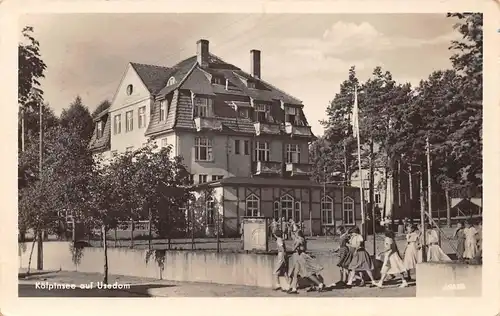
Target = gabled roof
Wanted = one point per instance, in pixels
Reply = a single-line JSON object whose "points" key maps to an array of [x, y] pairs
{"points": [[154, 77]]}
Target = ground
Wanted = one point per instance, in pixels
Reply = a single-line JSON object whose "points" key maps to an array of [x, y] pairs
{"points": [[143, 287]]}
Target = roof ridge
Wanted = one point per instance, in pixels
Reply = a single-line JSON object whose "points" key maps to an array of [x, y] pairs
{"points": [[150, 65]]}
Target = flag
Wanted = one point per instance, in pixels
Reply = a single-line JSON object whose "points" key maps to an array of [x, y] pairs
{"points": [[355, 116]]}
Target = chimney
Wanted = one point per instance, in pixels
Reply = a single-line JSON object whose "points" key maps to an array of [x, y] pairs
{"points": [[255, 63], [202, 52]]}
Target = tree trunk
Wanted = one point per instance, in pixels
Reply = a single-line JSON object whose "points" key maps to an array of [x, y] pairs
{"points": [[448, 208], [386, 179], [116, 237], [150, 231], [410, 187], [105, 279], [371, 190], [39, 255], [31, 252], [132, 226], [422, 216]]}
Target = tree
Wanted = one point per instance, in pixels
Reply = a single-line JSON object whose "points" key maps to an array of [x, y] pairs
{"points": [[104, 105], [31, 67], [78, 117]]}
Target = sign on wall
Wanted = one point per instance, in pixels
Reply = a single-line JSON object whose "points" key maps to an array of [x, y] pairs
{"points": [[255, 234]]}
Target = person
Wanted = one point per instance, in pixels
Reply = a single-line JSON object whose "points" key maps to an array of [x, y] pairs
{"points": [[393, 264], [480, 241], [420, 244], [281, 263], [361, 260], [303, 265], [411, 251], [273, 227], [292, 227], [284, 228], [242, 236], [459, 234], [434, 251], [470, 251], [344, 254]]}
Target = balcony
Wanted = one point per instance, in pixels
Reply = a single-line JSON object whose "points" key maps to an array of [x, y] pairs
{"points": [[267, 128], [298, 131], [267, 168], [207, 124], [299, 169]]}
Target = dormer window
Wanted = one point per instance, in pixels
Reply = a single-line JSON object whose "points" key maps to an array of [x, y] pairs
{"points": [[163, 110], [251, 84], [217, 80], [291, 115], [262, 112], [171, 81], [202, 107], [100, 129]]}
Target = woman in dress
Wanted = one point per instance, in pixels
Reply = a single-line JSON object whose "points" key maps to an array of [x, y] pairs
{"points": [[361, 260], [345, 255], [420, 244], [393, 264], [284, 228], [411, 251], [460, 236], [470, 232], [304, 265], [281, 263], [434, 251]]}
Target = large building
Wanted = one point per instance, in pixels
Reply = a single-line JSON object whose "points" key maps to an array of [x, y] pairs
{"points": [[241, 138]]}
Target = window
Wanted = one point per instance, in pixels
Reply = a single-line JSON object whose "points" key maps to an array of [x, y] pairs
{"points": [[327, 210], [164, 142], [262, 151], [277, 210], [191, 178], [142, 117], [348, 211], [210, 210], [244, 113], [100, 130], [290, 114], [202, 178], [377, 198], [246, 147], [203, 149], [262, 112], [217, 178], [117, 126], [292, 153], [171, 81], [252, 206], [130, 89], [251, 84], [129, 149], [163, 110], [287, 207], [129, 124], [202, 107], [236, 146], [217, 80], [297, 212]]}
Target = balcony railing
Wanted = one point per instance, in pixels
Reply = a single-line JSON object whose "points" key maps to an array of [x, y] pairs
{"points": [[267, 167], [267, 128], [301, 131], [299, 169], [207, 123]]}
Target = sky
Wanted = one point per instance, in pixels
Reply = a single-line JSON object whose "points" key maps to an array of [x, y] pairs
{"points": [[306, 55]]}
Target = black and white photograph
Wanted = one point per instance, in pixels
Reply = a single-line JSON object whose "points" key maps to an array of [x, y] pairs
{"points": [[250, 155]]}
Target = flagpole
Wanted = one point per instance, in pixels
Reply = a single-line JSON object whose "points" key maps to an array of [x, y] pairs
{"points": [[356, 122]]}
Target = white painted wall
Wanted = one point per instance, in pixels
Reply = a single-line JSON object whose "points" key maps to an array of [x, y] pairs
{"points": [[122, 102]]}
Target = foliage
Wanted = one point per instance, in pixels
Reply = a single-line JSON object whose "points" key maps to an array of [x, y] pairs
{"points": [[77, 117], [31, 69], [104, 105]]}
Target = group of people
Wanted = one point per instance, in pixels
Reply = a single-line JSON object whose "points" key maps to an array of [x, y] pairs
{"points": [[288, 228], [354, 261]]}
